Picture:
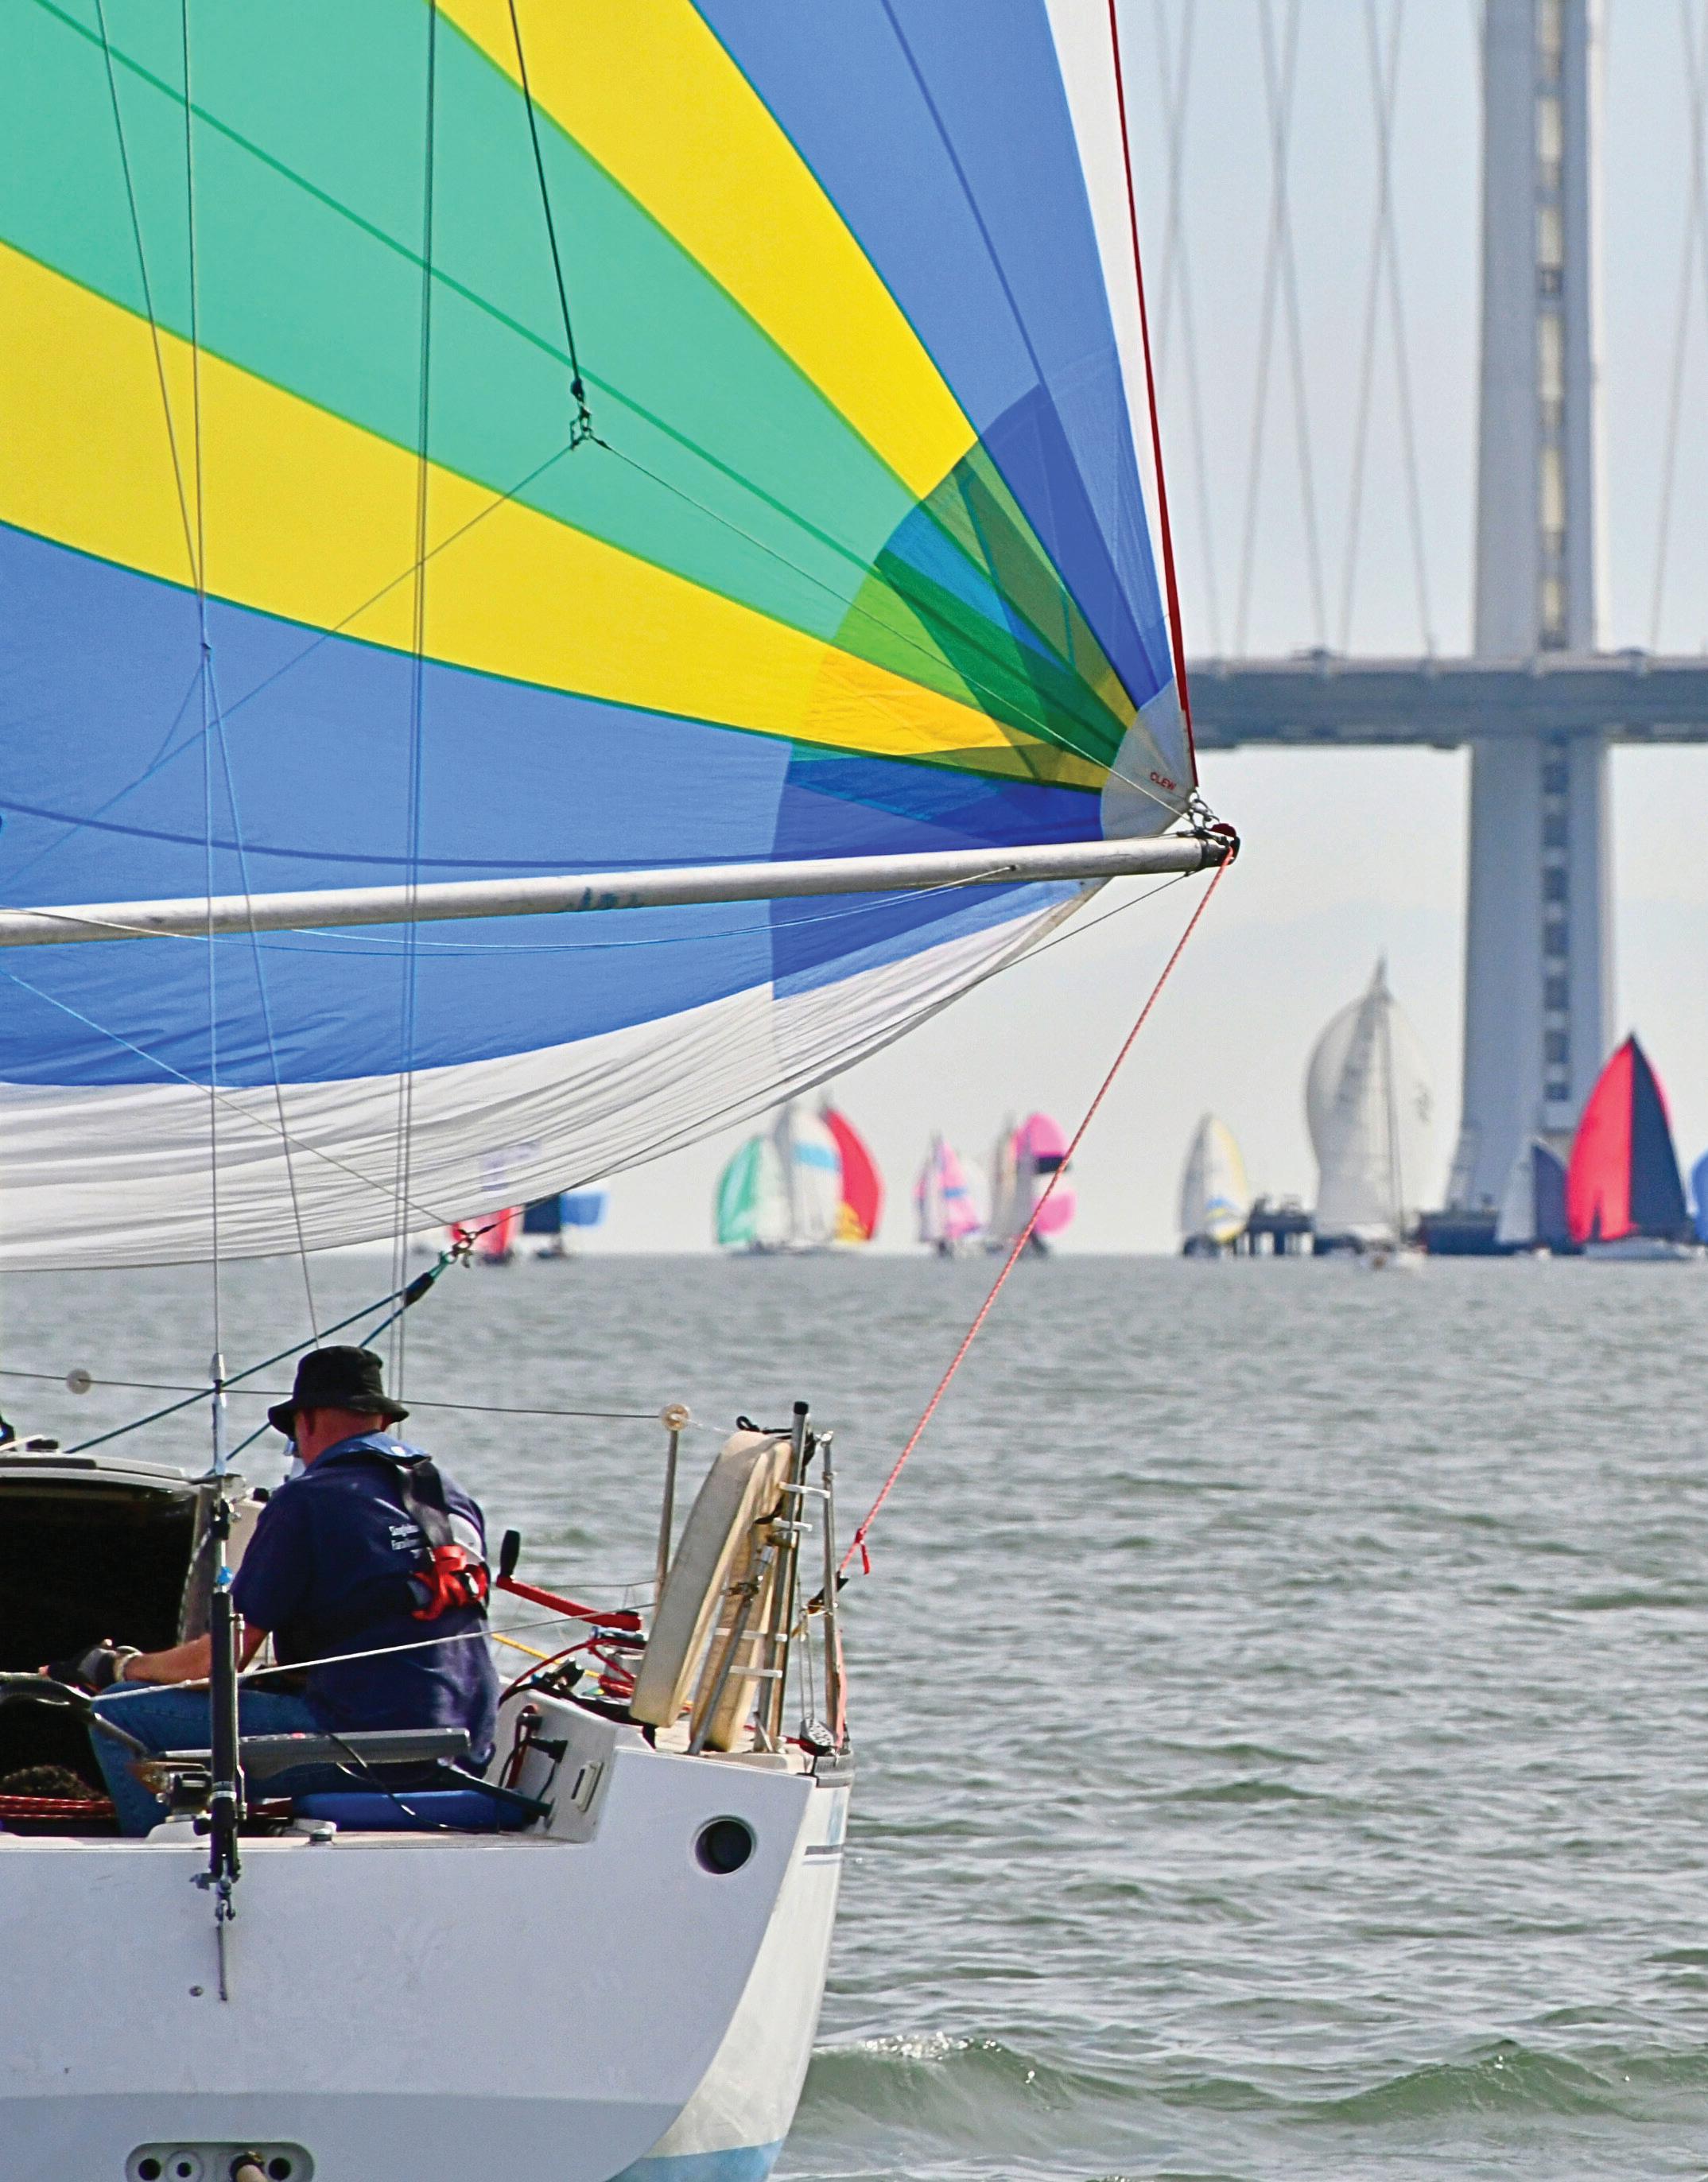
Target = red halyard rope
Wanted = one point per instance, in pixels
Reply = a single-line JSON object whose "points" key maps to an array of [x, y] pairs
{"points": [[857, 1545], [1171, 581]]}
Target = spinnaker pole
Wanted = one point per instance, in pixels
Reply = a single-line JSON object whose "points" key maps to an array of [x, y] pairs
{"points": [[197, 916]]}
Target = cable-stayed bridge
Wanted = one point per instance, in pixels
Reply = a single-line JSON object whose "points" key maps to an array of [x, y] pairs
{"points": [[1535, 700]]}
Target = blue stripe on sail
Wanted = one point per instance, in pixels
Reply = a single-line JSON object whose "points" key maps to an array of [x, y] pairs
{"points": [[102, 793], [1003, 283]]}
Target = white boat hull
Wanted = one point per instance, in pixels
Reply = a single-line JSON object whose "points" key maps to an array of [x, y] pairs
{"points": [[431, 2007]]}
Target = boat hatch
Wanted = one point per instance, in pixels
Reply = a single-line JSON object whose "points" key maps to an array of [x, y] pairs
{"points": [[87, 1552]]}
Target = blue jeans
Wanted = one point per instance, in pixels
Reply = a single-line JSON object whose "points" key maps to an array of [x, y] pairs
{"points": [[167, 1718]]}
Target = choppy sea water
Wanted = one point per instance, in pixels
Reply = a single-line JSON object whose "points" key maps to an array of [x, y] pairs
{"points": [[1280, 1691]]}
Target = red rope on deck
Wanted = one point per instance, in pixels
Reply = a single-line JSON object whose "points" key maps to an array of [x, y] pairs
{"points": [[857, 1543]]}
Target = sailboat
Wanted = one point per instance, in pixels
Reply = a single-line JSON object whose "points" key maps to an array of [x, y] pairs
{"points": [[558, 1217], [946, 1217], [1371, 1112], [1624, 1196], [1699, 1187], [783, 1189], [1024, 1162], [569, 573], [1215, 1196], [862, 1201], [1533, 1205]]}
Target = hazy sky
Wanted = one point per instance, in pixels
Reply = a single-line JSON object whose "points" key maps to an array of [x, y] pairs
{"points": [[1352, 855]]}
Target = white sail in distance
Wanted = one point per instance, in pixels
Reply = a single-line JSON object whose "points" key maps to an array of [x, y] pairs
{"points": [[1372, 1112], [1215, 1197]]}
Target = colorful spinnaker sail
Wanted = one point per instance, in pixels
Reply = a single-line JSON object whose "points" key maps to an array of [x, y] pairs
{"points": [[943, 1205], [861, 1207], [330, 560], [783, 1189], [1372, 1115], [1623, 1178]]}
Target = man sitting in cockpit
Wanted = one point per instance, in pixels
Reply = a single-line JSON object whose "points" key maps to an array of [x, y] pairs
{"points": [[368, 1571]]}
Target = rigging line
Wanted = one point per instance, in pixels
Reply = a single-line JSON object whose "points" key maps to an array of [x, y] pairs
{"points": [[582, 428], [280, 1393], [976, 213], [406, 1082], [857, 1544], [802, 1078], [1194, 388], [791, 516], [428, 1215], [200, 566], [1052, 736], [1694, 218], [148, 285], [257, 957], [1032, 942], [1383, 71], [419, 1288], [1171, 574], [512, 325]]}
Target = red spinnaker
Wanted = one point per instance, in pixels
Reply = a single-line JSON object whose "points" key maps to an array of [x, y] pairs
{"points": [[1624, 1178], [863, 1186]]}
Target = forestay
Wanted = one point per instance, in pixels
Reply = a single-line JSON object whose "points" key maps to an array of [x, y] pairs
{"points": [[734, 458]]}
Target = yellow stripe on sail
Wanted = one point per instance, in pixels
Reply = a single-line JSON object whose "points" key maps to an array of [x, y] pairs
{"points": [[306, 517], [646, 90]]}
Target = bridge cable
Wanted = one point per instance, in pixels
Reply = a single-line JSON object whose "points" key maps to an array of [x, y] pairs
{"points": [[1170, 571], [1695, 236], [1281, 291], [1385, 248], [1177, 274]]}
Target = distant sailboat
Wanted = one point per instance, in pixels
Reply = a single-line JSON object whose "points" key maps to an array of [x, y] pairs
{"points": [[1624, 1197], [863, 1187], [1532, 1207], [496, 1241], [1215, 1197], [782, 1190], [943, 1201], [1699, 1184], [1020, 1169], [555, 1219], [1370, 1111]]}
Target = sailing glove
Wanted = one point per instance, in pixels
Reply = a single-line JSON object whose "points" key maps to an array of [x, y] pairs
{"points": [[95, 1669]]}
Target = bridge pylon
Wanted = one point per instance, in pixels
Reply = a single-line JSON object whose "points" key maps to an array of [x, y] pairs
{"points": [[1538, 923]]}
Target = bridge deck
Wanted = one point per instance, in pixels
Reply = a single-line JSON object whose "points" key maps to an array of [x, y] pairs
{"points": [[1321, 698]]}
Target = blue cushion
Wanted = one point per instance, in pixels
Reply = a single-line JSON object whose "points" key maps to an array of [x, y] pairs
{"points": [[415, 1811]]}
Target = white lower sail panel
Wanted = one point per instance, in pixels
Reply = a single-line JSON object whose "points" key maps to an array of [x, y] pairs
{"points": [[118, 1176]]}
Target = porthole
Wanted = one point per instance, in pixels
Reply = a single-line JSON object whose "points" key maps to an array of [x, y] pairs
{"points": [[724, 1845]]}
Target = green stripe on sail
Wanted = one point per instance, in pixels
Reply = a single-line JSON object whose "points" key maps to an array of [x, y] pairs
{"points": [[729, 469]]}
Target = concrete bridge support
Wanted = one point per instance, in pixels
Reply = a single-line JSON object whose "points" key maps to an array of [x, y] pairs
{"points": [[1538, 942]]}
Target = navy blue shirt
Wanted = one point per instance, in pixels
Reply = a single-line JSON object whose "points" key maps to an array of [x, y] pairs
{"points": [[327, 1571]]}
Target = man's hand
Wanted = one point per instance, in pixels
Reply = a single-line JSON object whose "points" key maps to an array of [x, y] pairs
{"points": [[95, 1669]]}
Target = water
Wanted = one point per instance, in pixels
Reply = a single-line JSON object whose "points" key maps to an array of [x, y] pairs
{"points": [[1280, 1691]]}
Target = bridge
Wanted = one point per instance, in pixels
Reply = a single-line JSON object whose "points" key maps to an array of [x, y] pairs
{"points": [[1537, 703]]}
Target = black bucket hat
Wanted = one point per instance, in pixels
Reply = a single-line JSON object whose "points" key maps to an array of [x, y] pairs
{"points": [[337, 1378]]}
